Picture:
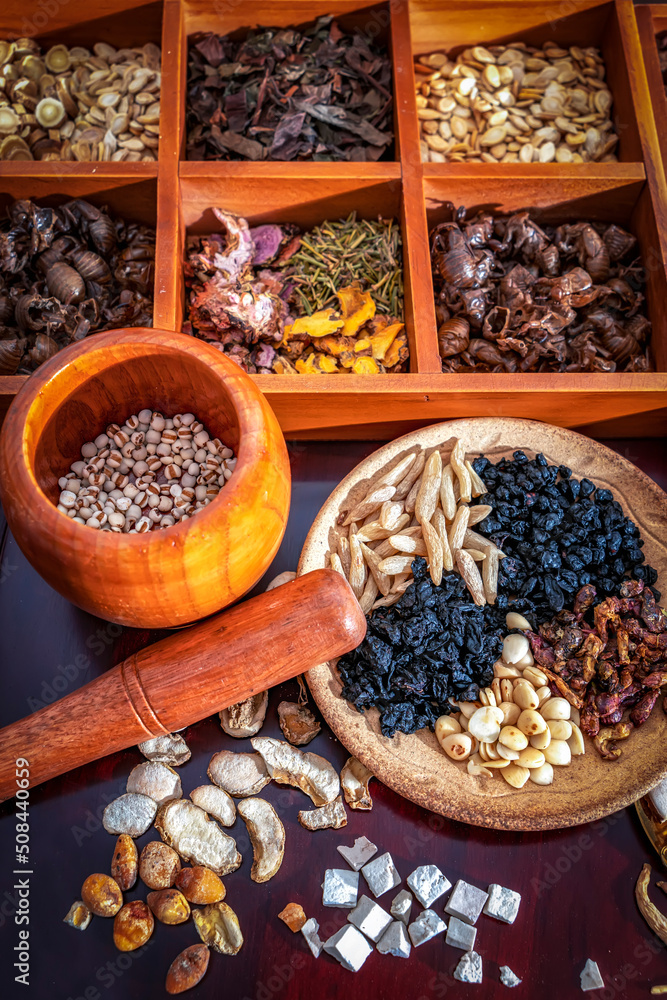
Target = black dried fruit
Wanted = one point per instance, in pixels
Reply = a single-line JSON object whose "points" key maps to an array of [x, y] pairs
{"points": [[432, 645], [558, 533]]}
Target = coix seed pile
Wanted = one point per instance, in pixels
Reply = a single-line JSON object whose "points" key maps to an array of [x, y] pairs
{"points": [[151, 472]]}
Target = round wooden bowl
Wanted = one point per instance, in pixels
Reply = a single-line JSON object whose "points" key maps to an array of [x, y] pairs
{"points": [[160, 578], [415, 766]]}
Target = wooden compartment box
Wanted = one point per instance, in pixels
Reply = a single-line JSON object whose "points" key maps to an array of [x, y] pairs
{"points": [[630, 192]]}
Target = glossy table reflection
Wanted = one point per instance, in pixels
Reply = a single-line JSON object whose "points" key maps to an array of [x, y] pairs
{"points": [[577, 884]]}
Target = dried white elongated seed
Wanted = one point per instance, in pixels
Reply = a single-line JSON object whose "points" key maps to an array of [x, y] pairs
{"points": [[558, 752], [434, 548], [556, 708], [471, 577], [544, 694], [357, 578], [560, 729], [458, 746], [409, 544], [515, 775], [541, 740], [576, 741], [390, 513], [531, 722], [457, 461], [514, 648], [525, 695], [446, 725], [530, 757], [447, 499], [373, 562], [396, 564], [513, 738], [535, 677], [511, 713], [541, 775], [478, 513], [399, 471], [515, 620], [429, 491], [485, 724]]}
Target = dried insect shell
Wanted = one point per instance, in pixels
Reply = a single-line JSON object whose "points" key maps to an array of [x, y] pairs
{"points": [[187, 969], [332, 816], [102, 895], [267, 835], [187, 828], [159, 865], [170, 749], [308, 771], [200, 885], [453, 336], [125, 862], [218, 927], [215, 802], [354, 779], [297, 722], [103, 233], [10, 356], [43, 349], [65, 283], [90, 265], [495, 323], [169, 905], [239, 774], [618, 241], [246, 718], [132, 926]]}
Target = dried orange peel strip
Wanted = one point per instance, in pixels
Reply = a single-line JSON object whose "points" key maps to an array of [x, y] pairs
{"points": [[651, 914]]}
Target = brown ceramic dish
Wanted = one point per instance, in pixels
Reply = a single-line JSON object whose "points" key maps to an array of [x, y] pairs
{"points": [[415, 766]]}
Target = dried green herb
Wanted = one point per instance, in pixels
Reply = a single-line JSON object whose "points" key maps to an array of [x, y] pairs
{"points": [[315, 94], [337, 253]]}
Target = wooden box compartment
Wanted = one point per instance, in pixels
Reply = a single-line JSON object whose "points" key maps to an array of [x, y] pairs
{"points": [[652, 21], [332, 406]]}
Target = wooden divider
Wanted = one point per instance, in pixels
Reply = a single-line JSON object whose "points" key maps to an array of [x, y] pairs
{"points": [[631, 192]]}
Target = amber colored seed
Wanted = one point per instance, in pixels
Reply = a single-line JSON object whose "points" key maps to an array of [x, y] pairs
{"points": [[132, 926], [125, 862], [102, 895], [200, 885], [187, 969]]}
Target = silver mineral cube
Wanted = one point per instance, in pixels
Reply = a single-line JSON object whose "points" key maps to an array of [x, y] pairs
{"points": [[381, 874], [469, 969], [395, 941], [340, 887], [309, 931], [369, 918], [349, 947], [428, 884], [425, 927], [503, 904], [466, 902], [461, 935], [401, 905], [360, 854]]}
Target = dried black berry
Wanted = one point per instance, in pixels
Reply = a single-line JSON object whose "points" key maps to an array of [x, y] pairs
{"points": [[432, 645], [559, 533]]}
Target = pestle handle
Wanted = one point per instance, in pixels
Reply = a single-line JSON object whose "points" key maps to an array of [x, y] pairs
{"points": [[188, 676]]}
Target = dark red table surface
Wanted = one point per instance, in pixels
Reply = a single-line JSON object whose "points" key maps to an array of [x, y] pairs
{"points": [[576, 884]]}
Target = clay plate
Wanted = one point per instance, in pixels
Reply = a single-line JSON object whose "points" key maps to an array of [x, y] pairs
{"points": [[414, 766]]}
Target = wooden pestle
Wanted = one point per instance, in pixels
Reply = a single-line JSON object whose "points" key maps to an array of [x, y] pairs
{"points": [[188, 676]]}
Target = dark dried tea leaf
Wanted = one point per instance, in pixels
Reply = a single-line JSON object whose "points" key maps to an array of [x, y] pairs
{"points": [[288, 94]]}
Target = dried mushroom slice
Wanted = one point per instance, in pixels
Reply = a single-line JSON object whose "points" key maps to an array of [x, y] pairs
{"points": [[308, 771], [246, 718], [196, 837], [158, 781], [354, 779], [298, 723], [216, 802], [332, 816], [238, 774], [129, 813], [170, 749], [218, 927], [267, 836]]}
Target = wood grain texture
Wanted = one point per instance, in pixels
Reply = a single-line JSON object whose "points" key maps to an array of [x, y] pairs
{"points": [[230, 657], [414, 765], [160, 578], [577, 884]]}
